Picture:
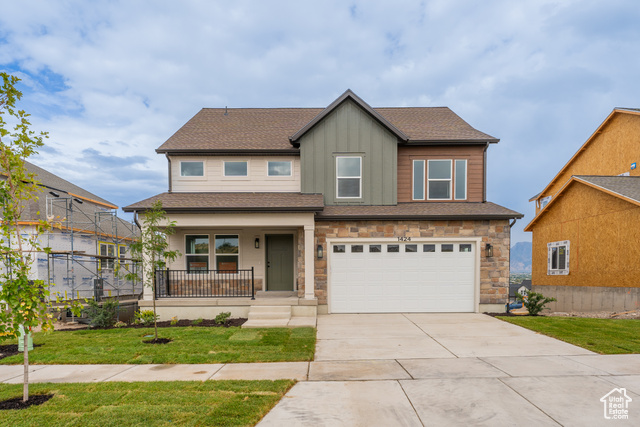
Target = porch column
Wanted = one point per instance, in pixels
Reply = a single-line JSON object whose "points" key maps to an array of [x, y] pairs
{"points": [[309, 264]]}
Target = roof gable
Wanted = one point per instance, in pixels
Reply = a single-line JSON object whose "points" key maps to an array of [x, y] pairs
{"points": [[626, 188], [585, 146], [348, 94]]}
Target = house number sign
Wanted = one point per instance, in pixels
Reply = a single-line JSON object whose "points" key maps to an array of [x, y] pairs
{"points": [[404, 239]]}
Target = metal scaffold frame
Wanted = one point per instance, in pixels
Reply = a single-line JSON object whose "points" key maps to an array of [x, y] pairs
{"points": [[102, 267]]}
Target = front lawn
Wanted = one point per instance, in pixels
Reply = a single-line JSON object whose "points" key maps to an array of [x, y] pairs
{"points": [[188, 345], [604, 336], [237, 403]]}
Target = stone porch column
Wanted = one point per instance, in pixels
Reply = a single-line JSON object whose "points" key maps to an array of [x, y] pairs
{"points": [[309, 265]]}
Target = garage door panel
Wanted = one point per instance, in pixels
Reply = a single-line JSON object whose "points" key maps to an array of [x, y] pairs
{"points": [[365, 281]]}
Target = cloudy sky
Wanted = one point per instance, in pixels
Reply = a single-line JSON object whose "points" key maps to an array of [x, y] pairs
{"points": [[112, 80]]}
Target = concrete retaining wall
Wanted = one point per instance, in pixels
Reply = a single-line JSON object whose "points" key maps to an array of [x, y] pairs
{"points": [[590, 298]]}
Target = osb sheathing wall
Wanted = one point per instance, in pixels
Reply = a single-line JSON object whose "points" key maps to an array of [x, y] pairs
{"points": [[603, 232], [494, 272], [611, 151]]}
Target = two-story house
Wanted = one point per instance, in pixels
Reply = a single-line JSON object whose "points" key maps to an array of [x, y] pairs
{"points": [[585, 232], [353, 209]]}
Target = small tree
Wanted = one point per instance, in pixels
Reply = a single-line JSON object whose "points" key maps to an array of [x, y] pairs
{"points": [[534, 302], [23, 302], [153, 248]]}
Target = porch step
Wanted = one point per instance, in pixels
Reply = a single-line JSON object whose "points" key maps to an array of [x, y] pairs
{"points": [[279, 316], [271, 312]]}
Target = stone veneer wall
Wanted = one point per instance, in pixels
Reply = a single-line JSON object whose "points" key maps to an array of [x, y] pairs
{"points": [[494, 272]]}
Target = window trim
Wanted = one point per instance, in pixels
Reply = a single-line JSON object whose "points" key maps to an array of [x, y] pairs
{"points": [[187, 255], [466, 179], [280, 161], [196, 177], [450, 180], [224, 169], [413, 179], [215, 254], [107, 264], [349, 177], [558, 271]]}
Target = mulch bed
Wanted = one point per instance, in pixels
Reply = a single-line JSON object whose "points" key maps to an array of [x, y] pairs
{"points": [[17, 403], [209, 323], [507, 315], [158, 341]]}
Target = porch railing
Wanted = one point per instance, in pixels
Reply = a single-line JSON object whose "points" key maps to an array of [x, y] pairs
{"points": [[204, 283]]}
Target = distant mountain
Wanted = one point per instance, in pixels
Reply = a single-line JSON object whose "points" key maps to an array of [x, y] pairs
{"points": [[521, 257]]}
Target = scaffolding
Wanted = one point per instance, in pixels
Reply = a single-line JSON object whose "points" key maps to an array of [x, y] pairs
{"points": [[89, 251]]}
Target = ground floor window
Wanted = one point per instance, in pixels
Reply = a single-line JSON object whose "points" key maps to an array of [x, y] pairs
{"points": [[558, 258], [227, 252], [197, 253]]}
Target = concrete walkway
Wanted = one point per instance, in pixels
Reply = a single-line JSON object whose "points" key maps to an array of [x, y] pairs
{"points": [[413, 370]]}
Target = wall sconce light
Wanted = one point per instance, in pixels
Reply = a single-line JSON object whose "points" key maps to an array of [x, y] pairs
{"points": [[319, 252], [257, 243], [488, 250]]}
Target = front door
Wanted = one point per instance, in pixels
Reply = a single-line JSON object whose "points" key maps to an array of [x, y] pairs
{"points": [[279, 262]]}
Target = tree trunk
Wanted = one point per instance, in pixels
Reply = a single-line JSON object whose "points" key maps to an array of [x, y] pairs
{"points": [[25, 388]]}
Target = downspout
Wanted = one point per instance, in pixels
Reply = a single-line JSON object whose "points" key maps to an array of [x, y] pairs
{"points": [[169, 167], [484, 167]]}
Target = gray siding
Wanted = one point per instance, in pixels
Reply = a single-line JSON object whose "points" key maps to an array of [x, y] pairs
{"points": [[349, 130]]}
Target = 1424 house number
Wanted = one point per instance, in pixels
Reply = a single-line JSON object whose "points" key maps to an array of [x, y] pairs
{"points": [[404, 239]]}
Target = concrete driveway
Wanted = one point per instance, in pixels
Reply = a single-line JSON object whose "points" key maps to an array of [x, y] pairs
{"points": [[451, 369]]}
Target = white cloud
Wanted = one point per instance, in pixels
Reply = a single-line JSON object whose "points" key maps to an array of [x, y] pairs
{"points": [[539, 75]]}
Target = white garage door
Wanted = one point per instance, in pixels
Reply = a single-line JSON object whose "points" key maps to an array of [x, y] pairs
{"points": [[376, 277]]}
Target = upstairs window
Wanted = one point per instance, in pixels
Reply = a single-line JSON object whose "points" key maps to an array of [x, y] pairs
{"points": [[418, 180], [191, 168], [235, 169], [461, 180], [558, 258], [107, 250], [349, 177], [439, 180], [279, 168]]}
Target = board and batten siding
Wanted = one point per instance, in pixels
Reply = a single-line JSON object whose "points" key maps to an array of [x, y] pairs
{"points": [[475, 172], [214, 180], [349, 130]]}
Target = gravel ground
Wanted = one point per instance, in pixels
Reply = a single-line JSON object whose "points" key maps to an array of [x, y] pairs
{"points": [[633, 314]]}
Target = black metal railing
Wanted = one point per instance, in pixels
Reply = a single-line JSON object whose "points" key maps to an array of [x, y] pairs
{"points": [[204, 283]]}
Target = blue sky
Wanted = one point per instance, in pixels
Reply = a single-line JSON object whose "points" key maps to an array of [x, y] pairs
{"points": [[112, 80]]}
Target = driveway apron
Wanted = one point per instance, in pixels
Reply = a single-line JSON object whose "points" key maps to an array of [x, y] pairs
{"points": [[451, 369]]}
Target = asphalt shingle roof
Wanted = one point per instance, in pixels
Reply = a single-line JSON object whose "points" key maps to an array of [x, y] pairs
{"points": [[232, 202], [436, 210], [626, 186]]}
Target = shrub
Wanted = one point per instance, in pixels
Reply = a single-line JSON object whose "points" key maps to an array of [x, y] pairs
{"points": [[145, 317], [222, 317], [174, 320], [534, 302], [119, 324], [102, 315]]}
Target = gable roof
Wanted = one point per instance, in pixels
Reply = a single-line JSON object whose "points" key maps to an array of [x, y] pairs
{"points": [[617, 110], [54, 182], [348, 94], [626, 188], [273, 130]]}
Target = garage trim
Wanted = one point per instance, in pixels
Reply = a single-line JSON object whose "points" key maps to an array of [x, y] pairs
{"points": [[368, 240]]}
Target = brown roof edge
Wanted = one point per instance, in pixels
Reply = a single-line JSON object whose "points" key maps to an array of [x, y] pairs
{"points": [[416, 217], [348, 94], [239, 152], [453, 141]]}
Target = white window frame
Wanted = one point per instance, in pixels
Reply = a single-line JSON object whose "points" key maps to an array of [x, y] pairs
{"points": [[204, 169], [450, 180], [338, 177], [187, 255], [280, 161], [455, 180], [224, 169], [413, 179], [107, 264], [550, 255], [215, 254]]}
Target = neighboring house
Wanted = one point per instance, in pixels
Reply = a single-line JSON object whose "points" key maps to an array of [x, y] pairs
{"points": [[585, 231], [351, 208], [522, 288], [89, 243]]}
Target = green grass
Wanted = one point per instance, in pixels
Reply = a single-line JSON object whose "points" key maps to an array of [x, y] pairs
{"points": [[189, 345], [604, 336], [215, 403]]}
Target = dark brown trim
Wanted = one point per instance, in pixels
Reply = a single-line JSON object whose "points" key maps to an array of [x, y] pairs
{"points": [[413, 217], [230, 210], [451, 142], [235, 152]]}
